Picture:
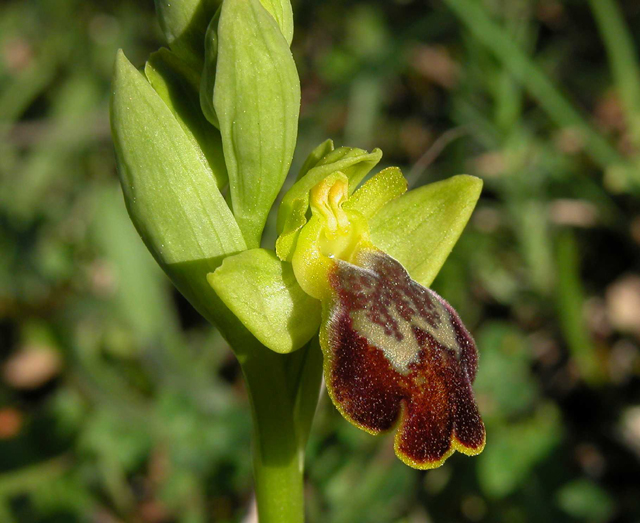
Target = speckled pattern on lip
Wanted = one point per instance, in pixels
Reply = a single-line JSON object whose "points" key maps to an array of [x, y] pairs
{"points": [[396, 353]]}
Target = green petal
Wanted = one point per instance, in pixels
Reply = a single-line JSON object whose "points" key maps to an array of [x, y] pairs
{"points": [[257, 100], [263, 293], [170, 192], [384, 187], [184, 23], [420, 228], [178, 84], [352, 162]]}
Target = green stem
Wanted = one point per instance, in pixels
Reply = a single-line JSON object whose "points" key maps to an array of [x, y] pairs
{"points": [[280, 426], [283, 391]]}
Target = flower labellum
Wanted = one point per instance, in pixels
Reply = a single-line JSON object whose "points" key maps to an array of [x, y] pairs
{"points": [[395, 353]]}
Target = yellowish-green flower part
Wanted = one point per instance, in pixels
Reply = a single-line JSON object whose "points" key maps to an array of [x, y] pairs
{"points": [[396, 355]]}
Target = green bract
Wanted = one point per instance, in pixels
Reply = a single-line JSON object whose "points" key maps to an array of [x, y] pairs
{"points": [[263, 293], [256, 98], [170, 191], [177, 84]]}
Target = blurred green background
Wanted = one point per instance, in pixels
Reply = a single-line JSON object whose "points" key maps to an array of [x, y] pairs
{"points": [[118, 403]]}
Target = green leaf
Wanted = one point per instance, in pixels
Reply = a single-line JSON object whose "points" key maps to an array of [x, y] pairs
{"points": [[170, 193], [263, 293], [184, 23], [420, 228], [257, 101], [353, 163], [178, 85], [570, 310], [383, 188]]}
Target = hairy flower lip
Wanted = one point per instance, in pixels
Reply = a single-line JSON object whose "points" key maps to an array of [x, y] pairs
{"points": [[424, 395]]}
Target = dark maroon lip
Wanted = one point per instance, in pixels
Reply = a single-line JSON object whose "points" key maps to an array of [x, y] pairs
{"points": [[423, 383]]}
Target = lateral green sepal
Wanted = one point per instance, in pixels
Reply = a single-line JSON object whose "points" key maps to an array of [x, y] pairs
{"points": [[420, 228], [178, 84], [263, 293]]}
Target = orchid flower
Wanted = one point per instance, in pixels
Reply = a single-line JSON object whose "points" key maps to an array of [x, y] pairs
{"points": [[395, 353]]}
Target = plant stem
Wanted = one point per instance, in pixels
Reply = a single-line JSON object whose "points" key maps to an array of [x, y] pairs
{"points": [[279, 427], [283, 392]]}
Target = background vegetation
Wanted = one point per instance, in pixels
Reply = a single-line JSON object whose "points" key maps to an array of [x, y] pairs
{"points": [[118, 403]]}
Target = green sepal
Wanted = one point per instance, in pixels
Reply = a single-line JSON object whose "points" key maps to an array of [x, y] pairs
{"points": [[177, 84], [184, 23], [297, 218], [420, 228], [382, 188], [257, 101], [171, 196], [263, 293], [292, 214]]}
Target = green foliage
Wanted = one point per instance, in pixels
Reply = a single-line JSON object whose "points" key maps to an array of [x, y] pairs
{"points": [[585, 501]]}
